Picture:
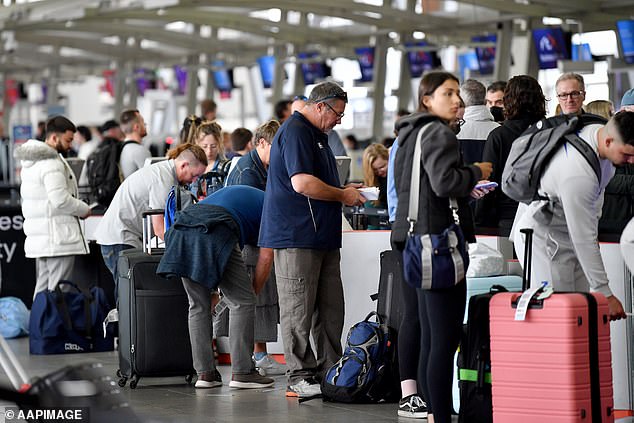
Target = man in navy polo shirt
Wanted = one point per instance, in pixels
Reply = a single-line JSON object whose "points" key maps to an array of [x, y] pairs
{"points": [[301, 221]]}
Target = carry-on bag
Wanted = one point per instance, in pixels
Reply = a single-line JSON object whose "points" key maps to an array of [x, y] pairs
{"points": [[153, 318], [69, 322], [390, 308], [550, 356]]}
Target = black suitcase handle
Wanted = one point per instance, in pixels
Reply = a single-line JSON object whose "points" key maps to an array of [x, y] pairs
{"points": [[528, 257]]}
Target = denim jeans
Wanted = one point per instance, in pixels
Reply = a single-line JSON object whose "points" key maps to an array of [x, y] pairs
{"points": [[238, 293], [110, 254]]}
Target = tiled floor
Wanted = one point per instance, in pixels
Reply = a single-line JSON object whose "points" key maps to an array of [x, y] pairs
{"points": [[171, 400]]}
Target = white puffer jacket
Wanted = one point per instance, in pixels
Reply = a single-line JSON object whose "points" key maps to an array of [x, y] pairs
{"points": [[50, 205]]}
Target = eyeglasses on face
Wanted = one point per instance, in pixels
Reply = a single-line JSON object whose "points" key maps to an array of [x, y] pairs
{"points": [[339, 115], [572, 94], [300, 97]]}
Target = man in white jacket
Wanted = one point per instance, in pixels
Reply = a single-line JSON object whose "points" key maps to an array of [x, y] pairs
{"points": [[50, 205], [566, 248]]}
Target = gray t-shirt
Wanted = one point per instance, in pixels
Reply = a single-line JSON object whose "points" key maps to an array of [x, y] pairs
{"points": [[132, 158], [146, 189]]}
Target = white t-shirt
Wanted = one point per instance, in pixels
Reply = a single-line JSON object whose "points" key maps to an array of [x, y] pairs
{"points": [[133, 157], [146, 189], [571, 183]]}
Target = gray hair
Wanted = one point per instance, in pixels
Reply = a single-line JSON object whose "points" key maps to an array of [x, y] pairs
{"points": [[326, 90], [571, 75], [473, 93]]}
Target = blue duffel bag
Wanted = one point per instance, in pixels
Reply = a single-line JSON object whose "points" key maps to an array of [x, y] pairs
{"points": [[69, 322]]}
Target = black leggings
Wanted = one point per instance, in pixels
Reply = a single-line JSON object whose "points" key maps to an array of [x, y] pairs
{"points": [[441, 314], [408, 334]]}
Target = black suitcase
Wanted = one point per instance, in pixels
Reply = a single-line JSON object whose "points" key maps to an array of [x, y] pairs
{"points": [[389, 308], [153, 321], [389, 305]]}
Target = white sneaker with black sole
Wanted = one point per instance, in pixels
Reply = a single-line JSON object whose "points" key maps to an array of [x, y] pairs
{"points": [[413, 407]]}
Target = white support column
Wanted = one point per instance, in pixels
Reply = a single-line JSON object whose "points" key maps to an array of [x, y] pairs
{"points": [[192, 83], [380, 58], [52, 81], [299, 85], [278, 79], [404, 95], [119, 88], [503, 51]]}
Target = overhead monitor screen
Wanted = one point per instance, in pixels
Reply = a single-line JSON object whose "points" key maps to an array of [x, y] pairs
{"points": [[626, 35], [486, 55], [550, 46], [267, 70], [365, 56], [420, 60], [312, 71]]}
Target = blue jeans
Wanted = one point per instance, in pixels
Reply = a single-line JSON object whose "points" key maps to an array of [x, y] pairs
{"points": [[110, 254]]}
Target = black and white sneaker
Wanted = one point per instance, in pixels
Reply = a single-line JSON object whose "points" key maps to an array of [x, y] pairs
{"points": [[413, 407]]}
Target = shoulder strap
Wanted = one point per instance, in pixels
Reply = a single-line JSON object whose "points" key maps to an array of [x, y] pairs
{"points": [[587, 152], [414, 187]]}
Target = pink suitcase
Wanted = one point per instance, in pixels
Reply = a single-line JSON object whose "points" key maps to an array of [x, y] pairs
{"points": [[555, 366]]}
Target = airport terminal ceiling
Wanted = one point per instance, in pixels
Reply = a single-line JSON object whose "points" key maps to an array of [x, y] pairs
{"points": [[87, 36]]}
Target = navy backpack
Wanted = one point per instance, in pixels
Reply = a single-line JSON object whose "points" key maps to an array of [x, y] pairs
{"points": [[359, 374]]}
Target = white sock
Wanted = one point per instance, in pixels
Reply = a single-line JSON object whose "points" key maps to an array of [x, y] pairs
{"points": [[408, 387]]}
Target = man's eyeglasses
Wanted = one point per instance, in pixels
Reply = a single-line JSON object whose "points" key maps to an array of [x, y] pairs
{"points": [[573, 94], [300, 97], [339, 115]]}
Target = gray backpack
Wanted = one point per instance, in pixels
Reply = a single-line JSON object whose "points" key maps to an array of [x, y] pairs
{"points": [[532, 151]]}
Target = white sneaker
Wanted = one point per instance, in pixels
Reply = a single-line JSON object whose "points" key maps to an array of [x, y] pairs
{"points": [[304, 389], [268, 366]]}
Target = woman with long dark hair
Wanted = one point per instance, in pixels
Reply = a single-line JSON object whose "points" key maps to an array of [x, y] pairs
{"points": [[524, 104], [443, 176]]}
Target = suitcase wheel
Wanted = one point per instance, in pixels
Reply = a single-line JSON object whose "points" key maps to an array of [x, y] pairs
{"points": [[119, 373], [123, 381], [133, 382], [189, 379]]}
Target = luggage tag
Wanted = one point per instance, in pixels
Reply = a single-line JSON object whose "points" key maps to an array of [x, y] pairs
{"points": [[539, 292]]}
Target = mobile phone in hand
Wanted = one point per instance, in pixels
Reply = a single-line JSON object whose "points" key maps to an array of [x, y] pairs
{"points": [[486, 185]]}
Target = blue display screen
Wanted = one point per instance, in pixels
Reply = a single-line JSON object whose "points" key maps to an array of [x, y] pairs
{"points": [[267, 70], [584, 49], [222, 79], [626, 35], [419, 61], [312, 71], [550, 46], [485, 55], [466, 61], [365, 56]]}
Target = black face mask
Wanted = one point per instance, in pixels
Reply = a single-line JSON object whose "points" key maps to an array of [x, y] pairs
{"points": [[498, 113]]}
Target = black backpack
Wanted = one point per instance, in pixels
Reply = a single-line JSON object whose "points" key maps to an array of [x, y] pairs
{"points": [[103, 171], [213, 180], [532, 151]]}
